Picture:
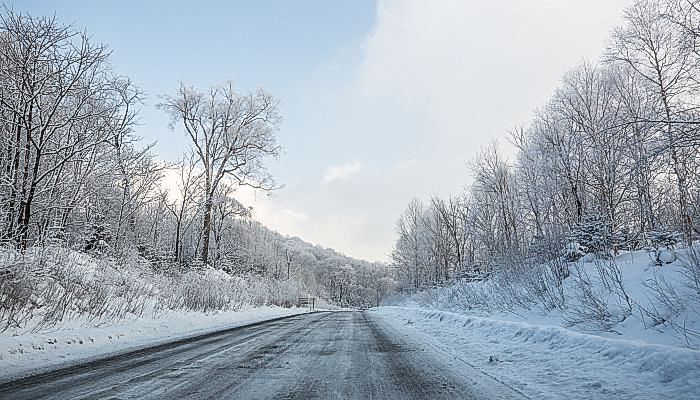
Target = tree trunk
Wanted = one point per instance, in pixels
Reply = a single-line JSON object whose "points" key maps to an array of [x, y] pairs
{"points": [[679, 170], [178, 226], [206, 228], [26, 205]]}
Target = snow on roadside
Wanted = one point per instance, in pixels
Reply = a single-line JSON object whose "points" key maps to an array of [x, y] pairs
{"points": [[23, 353], [553, 362], [663, 307]]}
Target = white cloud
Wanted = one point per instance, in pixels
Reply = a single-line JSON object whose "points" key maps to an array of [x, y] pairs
{"points": [[470, 70], [294, 215], [343, 171]]}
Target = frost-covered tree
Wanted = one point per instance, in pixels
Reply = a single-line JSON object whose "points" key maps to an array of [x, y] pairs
{"points": [[60, 105], [75, 177], [608, 161], [659, 52], [231, 134]]}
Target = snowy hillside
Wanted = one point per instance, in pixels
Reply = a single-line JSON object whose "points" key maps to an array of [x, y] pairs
{"points": [[624, 327], [628, 296]]}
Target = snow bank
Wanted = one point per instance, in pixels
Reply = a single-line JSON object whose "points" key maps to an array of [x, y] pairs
{"points": [[23, 353], [650, 303], [553, 362]]}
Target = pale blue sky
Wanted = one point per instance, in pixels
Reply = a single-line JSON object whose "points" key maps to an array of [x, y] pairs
{"points": [[278, 45], [382, 100]]}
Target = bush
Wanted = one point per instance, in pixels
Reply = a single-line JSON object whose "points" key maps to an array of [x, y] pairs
{"points": [[662, 244], [664, 239], [593, 235], [44, 287]]}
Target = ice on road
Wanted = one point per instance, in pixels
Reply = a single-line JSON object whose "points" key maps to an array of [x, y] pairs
{"points": [[324, 355]]}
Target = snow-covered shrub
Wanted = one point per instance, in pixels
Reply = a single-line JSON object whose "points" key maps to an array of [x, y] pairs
{"points": [[17, 297], [612, 280], [662, 244], [549, 279], [588, 307], [205, 290], [46, 286], [666, 239], [574, 251], [599, 296], [516, 283], [690, 263], [267, 291], [97, 237], [510, 280], [667, 304], [593, 235], [544, 248]]}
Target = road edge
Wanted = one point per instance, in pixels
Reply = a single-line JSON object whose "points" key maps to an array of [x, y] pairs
{"points": [[67, 367]]}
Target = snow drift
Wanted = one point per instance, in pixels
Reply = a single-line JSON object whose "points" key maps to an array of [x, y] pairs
{"points": [[553, 362]]}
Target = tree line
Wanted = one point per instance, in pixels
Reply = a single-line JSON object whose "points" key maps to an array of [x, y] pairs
{"points": [[610, 162], [74, 175]]}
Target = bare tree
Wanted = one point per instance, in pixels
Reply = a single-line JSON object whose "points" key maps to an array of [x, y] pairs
{"points": [[652, 46], [494, 187], [187, 184], [59, 101], [226, 209], [231, 134]]}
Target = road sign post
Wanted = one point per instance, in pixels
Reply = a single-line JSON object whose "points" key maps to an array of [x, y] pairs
{"points": [[309, 302]]}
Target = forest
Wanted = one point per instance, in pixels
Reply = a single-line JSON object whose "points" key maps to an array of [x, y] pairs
{"points": [[145, 216], [609, 165], [94, 225]]}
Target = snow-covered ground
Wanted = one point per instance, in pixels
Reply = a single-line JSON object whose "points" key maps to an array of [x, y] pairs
{"points": [[552, 362], [652, 304], [23, 353], [623, 327]]}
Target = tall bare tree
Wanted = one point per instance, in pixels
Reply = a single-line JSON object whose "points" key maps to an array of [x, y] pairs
{"points": [[654, 48], [59, 100], [231, 134], [187, 184]]}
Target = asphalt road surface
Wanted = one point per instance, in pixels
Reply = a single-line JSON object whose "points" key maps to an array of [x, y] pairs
{"points": [[326, 355]]}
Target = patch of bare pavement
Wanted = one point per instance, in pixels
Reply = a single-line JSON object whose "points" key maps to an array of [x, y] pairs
{"points": [[325, 355]]}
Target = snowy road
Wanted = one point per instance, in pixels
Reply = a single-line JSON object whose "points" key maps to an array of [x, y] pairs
{"points": [[321, 355]]}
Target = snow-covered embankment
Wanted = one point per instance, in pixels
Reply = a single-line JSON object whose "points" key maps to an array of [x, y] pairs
{"points": [[552, 362]]}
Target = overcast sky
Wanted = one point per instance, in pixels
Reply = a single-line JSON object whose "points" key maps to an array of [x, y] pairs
{"points": [[382, 101]]}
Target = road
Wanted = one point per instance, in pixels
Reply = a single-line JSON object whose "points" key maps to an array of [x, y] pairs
{"points": [[327, 355]]}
